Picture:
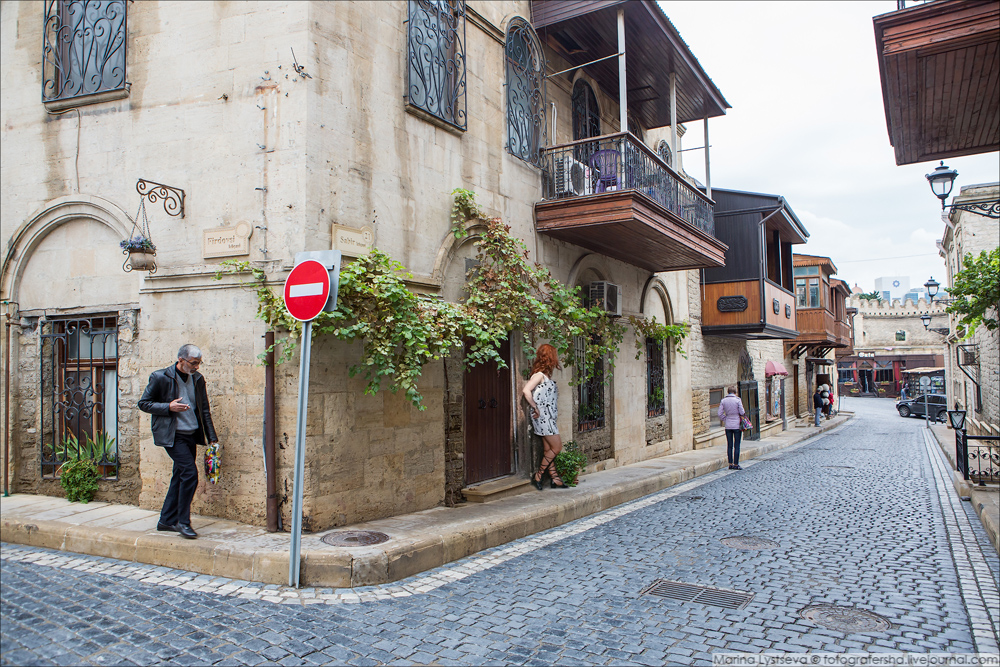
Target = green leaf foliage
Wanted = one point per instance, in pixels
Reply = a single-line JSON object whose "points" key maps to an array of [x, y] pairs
{"points": [[570, 462], [871, 296], [976, 292], [79, 479], [400, 332]]}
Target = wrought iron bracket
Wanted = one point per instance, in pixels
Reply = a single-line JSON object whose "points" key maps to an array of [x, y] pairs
{"points": [[987, 209], [173, 198], [940, 330]]}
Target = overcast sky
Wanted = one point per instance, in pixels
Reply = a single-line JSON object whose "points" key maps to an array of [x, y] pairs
{"points": [[807, 123]]}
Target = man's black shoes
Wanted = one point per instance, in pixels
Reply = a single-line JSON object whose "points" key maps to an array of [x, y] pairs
{"points": [[185, 530]]}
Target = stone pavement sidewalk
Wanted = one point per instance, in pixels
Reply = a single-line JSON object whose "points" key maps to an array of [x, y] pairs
{"points": [[985, 499], [418, 542]]}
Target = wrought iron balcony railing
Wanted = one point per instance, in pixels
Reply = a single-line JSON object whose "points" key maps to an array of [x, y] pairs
{"points": [[618, 162]]}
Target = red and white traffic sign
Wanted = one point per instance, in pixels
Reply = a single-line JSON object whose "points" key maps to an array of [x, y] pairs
{"points": [[307, 289]]}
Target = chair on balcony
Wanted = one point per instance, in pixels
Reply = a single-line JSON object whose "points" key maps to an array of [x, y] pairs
{"points": [[606, 165]]}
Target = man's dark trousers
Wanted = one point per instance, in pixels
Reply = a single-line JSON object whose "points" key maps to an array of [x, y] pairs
{"points": [[183, 481]]}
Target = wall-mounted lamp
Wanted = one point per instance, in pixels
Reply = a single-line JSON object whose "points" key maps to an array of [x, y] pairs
{"points": [[942, 180]]}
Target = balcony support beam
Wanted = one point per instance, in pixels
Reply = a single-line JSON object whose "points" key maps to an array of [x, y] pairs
{"points": [[622, 83], [673, 122], [708, 163]]}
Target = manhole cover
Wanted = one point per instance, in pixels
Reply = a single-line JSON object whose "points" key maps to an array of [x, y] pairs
{"points": [[749, 543], [845, 619], [354, 538], [717, 597]]}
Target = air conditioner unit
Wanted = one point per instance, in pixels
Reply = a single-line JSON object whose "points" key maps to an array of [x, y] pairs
{"points": [[607, 296], [572, 178]]}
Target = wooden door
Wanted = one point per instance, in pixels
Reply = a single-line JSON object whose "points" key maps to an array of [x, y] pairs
{"points": [[488, 421]]}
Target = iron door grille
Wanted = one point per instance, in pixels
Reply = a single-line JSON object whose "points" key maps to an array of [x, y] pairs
{"points": [[655, 385], [79, 393]]}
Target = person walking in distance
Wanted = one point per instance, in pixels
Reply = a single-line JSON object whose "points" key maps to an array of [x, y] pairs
{"points": [[177, 398], [543, 395], [817, 405], [730, 414]]}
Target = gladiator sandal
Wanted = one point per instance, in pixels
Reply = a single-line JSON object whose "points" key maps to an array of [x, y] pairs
{"points": [[554, 479], [546, 463]]}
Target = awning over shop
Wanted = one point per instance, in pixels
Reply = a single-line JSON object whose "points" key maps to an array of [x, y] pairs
{"points": [[924, 370], [774, 368], [820, 361]]}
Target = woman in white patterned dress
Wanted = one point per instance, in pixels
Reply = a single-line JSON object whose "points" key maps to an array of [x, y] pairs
{"points": [[543, 395]]}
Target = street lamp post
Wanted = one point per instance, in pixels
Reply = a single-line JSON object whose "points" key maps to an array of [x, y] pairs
{"points": [[942, 180]]}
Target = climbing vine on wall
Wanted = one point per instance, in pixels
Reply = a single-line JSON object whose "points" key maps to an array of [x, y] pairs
{"points": [[400, 331]]}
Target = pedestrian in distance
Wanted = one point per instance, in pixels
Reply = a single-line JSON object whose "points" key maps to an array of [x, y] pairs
{"points": [[730, 414], [542, 395], [817, 405], [177, 399]]}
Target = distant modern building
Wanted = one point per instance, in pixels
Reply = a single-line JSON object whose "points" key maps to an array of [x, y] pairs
{"points": [[892, 287]]}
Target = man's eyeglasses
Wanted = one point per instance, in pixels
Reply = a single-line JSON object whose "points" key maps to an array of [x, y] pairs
{"points": [[194, 362]]}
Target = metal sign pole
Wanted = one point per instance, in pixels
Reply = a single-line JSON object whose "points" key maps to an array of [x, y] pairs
{"points": [[300, 456]]}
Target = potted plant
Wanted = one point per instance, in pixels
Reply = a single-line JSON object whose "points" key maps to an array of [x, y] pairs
{"points": [[140, 251]]}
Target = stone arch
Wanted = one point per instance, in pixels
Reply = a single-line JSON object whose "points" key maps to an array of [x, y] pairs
{"points": [[655, 288], [92, 227], [445, 272], [589, 266]]}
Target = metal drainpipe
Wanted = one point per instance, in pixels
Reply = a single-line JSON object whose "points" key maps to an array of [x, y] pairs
{"points": [[6, 406], [270, 485]]}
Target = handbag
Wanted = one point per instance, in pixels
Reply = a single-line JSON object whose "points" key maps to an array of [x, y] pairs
{"points": [[745, 423], [213, 462]]}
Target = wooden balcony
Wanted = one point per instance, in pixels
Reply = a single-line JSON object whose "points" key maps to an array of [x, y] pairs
{"points": [[938, 63], [614, 196], [819, 331], [748, 309]]}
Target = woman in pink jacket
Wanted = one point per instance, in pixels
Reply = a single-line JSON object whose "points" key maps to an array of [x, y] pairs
{"points": [[730, 412]]}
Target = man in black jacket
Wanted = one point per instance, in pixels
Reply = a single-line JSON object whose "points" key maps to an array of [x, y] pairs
{"points": [[178, 400]]}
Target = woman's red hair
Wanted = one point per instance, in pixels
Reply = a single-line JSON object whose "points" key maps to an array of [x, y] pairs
{"points": [[546, 360]]}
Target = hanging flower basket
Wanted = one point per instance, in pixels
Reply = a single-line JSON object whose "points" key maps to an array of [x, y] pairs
{"points": [[141, 253], [139, 248]]}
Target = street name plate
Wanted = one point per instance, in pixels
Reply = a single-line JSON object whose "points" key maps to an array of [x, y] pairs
{"points": [[227, 241], [353, 242]]}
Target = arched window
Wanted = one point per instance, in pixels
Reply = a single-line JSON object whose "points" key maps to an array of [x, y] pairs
{"points": [[525, 97], [586, 114], [663, 150]]}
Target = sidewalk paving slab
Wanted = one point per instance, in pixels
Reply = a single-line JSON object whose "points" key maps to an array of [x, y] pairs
{"points": [[419, 542], [985, 499]]}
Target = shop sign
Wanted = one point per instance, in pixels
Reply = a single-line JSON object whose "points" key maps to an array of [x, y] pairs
{"points": [[869, 355]]}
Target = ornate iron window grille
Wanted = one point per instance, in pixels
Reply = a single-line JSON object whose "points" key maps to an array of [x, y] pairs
{"points": [[525, 92], [590, 390], [663, 150], [656, 403], [79, 393], [435, 40], [968, 362], [83, 48]]}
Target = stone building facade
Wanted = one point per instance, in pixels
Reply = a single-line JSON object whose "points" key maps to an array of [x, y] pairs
{"points": [[967, 233], [889, 340], [275, 127]]}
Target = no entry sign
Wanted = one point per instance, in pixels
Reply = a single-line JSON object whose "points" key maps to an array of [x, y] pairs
{"points": [[307, 289]]}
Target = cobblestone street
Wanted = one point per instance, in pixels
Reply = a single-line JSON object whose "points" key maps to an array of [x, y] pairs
{"points": [[861, 517]]}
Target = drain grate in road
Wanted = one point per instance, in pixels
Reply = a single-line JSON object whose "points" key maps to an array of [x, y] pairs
{"points": [[845, 619], [354, 538], [717, 597], [689, 497], [841, 467], [749, 543]]}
